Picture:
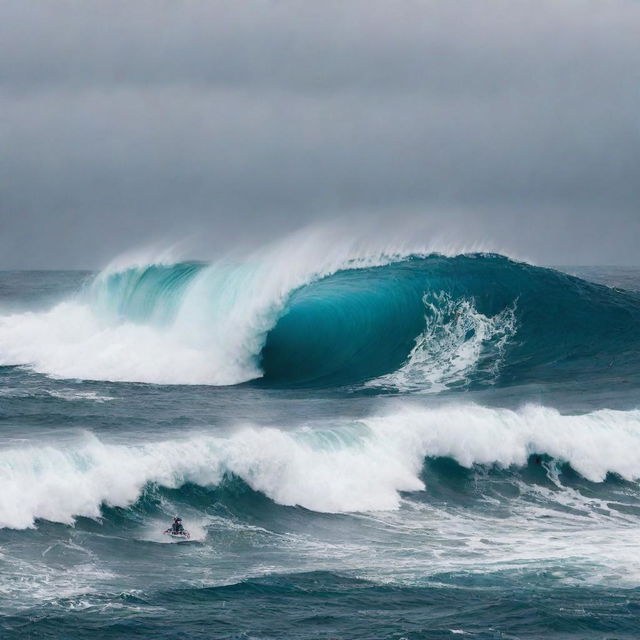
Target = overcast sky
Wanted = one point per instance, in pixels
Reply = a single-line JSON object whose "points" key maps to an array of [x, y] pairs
{"points": [[511, 123]]}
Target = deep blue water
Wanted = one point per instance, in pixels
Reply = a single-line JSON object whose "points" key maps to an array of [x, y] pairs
{"points": [[425, 447]]}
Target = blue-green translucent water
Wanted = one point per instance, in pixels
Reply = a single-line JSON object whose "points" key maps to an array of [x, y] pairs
{"points": [[425, 447]]}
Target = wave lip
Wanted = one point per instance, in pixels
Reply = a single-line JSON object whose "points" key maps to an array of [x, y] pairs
{"points": [[356, 466]]}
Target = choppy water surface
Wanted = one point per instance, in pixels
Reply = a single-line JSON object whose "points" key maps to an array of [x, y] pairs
{"points": [[409, 446]]}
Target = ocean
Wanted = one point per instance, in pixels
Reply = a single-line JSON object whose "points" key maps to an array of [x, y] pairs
{"points": [[401, 446]]}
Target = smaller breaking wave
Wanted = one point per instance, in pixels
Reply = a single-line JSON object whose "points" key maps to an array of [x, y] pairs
{"points": [[366, 465]]}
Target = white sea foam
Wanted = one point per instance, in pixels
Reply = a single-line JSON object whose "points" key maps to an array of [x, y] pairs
{"points": [[73, 395], [456, 340], [359, 466]]}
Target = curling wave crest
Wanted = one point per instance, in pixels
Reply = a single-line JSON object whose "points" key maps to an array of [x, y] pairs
{"points": [[407, 323]]}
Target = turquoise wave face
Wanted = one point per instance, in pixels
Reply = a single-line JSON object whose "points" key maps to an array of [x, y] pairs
{"points": [[513, 322], [152, 293], [423, 323], [351, 326]]}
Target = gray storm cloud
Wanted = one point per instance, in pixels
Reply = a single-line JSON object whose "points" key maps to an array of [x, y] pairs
{"points": [[514, 124]]}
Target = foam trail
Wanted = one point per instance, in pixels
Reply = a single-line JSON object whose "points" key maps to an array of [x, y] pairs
{"points": [[356, 466]]}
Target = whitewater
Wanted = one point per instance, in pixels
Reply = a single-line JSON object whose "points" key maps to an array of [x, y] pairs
{"points": [[447, 440], [359, 466]]}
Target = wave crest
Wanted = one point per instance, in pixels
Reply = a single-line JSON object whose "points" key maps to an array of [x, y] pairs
{"points": [[353, 466]]}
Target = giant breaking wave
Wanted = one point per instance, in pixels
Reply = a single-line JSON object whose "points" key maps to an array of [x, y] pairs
{"points": [[414, 322]]}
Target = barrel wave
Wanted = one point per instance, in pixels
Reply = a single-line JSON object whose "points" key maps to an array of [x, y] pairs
{"points": [[417, 323]]}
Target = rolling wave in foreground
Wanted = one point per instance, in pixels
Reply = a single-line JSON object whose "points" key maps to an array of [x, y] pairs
{"points": [[362, 444], [350, 467]]}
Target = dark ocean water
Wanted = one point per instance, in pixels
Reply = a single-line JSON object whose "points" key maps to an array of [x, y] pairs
{"points": [[417, 447]]}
